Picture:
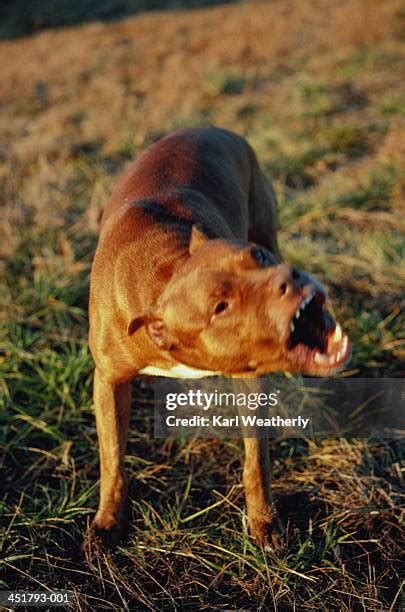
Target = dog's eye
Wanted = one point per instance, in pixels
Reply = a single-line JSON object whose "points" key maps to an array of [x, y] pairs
{"points": [[262, 256], [220, 307]]}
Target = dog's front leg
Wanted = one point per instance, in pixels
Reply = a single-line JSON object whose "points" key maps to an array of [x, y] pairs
{"points": [[112, 407], [264, 524], [262, 518]]}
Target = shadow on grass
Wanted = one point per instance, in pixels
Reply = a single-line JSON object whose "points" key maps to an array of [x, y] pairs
{"points": [[23, 17]]}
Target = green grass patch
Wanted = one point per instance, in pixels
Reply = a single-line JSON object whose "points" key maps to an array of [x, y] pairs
{"points": [[224, 82], [392, 106], [368, 59], [374, 192], [350, 140]]}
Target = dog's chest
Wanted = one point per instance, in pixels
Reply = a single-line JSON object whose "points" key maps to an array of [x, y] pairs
{"points": [[179, 370]]}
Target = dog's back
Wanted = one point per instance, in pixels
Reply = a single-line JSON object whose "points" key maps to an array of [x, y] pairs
{"points": [[189, 175]]}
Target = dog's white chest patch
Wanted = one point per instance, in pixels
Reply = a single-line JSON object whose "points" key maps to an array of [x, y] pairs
{"points": [[178, 371]]}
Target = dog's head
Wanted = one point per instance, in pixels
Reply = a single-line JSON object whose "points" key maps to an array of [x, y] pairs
{"points": [[233, 308]]}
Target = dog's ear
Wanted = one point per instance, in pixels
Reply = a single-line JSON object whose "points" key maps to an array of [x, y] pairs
{"points": [[156, 329], [197, 239], [161, 335], [137, 323]]}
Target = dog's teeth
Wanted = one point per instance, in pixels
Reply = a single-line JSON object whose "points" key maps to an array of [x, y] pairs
{"points": [[322, 359], [338, 333], [297, 314], [306, 301], [292, 326], [344, 344]]}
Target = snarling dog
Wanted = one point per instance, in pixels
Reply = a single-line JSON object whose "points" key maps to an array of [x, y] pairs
{"points": [[188, 280]]}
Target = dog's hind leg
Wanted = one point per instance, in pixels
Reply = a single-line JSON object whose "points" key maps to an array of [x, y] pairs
{"points": [[112, 407]]}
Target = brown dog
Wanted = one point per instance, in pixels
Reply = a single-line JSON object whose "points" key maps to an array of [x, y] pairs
{"points": [[180, 287]]}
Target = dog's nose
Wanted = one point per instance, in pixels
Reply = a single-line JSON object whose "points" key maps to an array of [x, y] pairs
{"points": [[290, 280]]}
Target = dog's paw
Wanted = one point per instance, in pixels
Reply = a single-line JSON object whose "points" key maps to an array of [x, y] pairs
{"points": [[106, 521], [266, 532], [106, 529]]}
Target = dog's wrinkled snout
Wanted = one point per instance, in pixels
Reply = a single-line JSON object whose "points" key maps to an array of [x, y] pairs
{"points": [[289, 281]]}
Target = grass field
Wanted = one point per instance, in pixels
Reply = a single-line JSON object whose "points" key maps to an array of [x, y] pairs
{"points": [[315, 86]]}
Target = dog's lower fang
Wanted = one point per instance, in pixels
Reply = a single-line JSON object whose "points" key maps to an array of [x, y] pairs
{"points": [[323, 359], [344, 344], [328, 359], [337, 336]]}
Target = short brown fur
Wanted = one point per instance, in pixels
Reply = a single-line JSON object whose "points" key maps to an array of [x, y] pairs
{"points": [[176, 239]]}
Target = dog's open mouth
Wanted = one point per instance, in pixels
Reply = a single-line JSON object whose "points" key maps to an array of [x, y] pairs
{"points": [[315, 336]]}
